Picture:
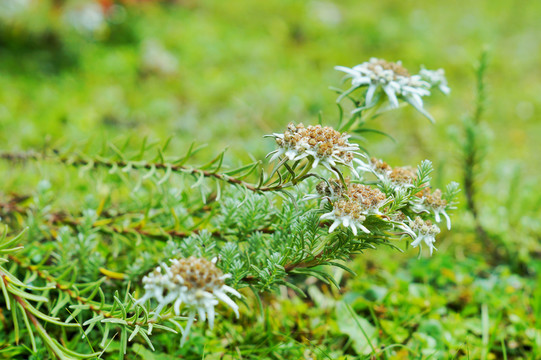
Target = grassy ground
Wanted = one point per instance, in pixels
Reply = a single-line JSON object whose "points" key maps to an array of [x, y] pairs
{"points": [[246, 69]]}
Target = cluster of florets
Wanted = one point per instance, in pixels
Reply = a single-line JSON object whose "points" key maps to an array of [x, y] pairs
{"points": [[398, 177], [425, 231], [321, 145], [351, 203], [402, 177], [378, 167], [370, 198], [195, 283], [433, 202], [348, 213], [330, 190], [395, 81]]}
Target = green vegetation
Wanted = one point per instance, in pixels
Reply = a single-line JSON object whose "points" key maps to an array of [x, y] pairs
{"points": [[234, 72]]}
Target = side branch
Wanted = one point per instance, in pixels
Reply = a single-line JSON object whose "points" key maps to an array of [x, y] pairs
{"points": [[137, 165]]}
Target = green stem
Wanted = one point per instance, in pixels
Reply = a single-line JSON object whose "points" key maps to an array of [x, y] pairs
{"points": [[304, 171]]}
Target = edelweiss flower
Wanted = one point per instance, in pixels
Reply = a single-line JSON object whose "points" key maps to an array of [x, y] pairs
{"points": [[395, 81], [323, 145], [348, 213], [425, 231], [377, 74], [196, 283], [436, 78], [433, 202], [354, 205]]}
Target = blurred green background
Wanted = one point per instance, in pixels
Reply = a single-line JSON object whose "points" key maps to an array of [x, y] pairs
{"points": [[245, 68], [225, 73]]}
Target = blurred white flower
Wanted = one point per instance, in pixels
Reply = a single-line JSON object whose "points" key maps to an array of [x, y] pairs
{"points": [[193, 282], [326, 12], [412, 89], [87, 18], [156, 59], [377, 74], [425, 232], [322, 145], [436, 78], [394, 81]]}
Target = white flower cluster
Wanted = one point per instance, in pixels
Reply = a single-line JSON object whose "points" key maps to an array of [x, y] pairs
{"points": [[321, 145], [195, 283], [402, 179], [351, 206], [425, 231], [395, 81], [433, 202], [353, 203]]}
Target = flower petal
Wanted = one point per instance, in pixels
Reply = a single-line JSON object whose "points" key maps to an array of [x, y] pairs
{"points": [[222, 296], [370, 94], [334, 225], [391, 95]]}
